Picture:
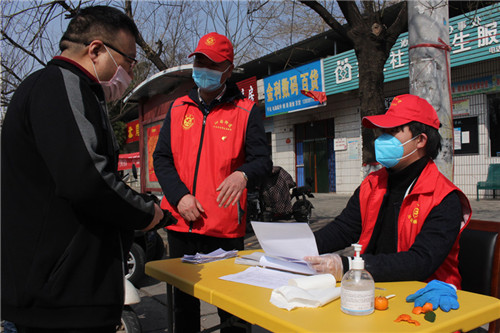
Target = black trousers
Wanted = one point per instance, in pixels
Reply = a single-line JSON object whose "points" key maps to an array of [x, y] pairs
{"points": [[187, 307], [107, 329]]}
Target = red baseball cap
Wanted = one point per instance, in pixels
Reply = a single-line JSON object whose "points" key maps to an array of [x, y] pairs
{"points": [[216, 47], [404, 109]]}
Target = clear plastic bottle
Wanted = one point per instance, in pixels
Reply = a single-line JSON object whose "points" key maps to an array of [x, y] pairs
{"points": [[357, 289]]}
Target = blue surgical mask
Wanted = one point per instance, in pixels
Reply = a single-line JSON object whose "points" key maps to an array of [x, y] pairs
{"points": [[207, 79], [389, 150]]}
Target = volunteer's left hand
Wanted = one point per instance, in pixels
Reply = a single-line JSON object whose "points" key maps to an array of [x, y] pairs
{"points": [[439, 293], [231, 189]]}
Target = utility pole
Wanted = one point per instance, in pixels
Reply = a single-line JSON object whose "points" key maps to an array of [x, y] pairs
{"points": [[430, 75]]}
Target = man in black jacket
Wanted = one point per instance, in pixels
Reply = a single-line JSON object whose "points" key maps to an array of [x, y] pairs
{"points": [[67, 217]]}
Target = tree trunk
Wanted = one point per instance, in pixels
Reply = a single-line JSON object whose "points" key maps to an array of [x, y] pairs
{"points": [[372, 51], [371, 93], [372, 43], [429, 68]]}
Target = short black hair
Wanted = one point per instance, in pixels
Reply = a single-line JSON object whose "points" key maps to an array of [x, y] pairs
{"points": [[97, 22], [433, 145]]}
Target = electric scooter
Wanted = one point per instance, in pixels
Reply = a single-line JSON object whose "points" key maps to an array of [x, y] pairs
{"points": [[130, 321], [302, 208], [263, 204]]}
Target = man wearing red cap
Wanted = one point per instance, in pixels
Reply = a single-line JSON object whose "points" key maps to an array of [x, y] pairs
{"points": [[211, 144], [408, 216]]}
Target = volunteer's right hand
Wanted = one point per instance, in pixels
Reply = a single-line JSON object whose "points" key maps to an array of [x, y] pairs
{"points": [[329, 263], [190, 208], [156, 219]]}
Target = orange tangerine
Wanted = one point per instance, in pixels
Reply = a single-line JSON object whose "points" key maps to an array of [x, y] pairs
{"points": [[381, 303]]}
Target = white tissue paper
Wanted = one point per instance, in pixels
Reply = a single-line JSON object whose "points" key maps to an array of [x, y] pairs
{"points": [[311, 291]]}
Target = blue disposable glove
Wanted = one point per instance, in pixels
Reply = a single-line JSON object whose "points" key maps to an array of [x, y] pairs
{"points": [[440, 294]]}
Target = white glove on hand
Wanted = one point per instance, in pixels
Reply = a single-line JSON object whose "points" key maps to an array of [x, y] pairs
{"points": [[329, 263]]}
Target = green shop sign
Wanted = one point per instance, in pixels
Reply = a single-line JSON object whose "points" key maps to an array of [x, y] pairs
{"points": [[474, 37]]}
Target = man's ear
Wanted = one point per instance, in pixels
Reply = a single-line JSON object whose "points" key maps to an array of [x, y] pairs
{"points": [[422, 140], [94, 48]]}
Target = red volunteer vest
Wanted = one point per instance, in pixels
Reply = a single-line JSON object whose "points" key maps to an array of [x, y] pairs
{"points": [[207, 149], [428, 192]]}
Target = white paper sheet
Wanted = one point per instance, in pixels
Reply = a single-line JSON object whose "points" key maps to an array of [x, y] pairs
{"points": [[290, 240], [261, 277], [285, 264]]}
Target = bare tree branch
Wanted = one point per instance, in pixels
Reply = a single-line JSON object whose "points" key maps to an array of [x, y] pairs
{"points": [[11, 72], [20, 47], [327, 17], [351, 12], [72, 11], [398, 26], [153, 56]]}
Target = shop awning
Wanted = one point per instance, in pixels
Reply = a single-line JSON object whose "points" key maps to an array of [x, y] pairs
{"points": [[160, 83], [125, 161]]}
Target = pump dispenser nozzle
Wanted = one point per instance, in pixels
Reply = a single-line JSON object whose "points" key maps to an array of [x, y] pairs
{"points": [[357, 262], [357, 249]]}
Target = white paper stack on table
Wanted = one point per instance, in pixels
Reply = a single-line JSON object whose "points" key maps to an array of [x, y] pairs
{"points": [[285, 245], [200, 258]]}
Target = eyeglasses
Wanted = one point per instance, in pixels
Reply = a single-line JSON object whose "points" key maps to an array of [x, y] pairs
{"points": [[133, 61]]}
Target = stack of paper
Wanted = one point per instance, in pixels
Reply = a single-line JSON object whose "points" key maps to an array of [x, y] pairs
{"points": [[200, 258], [252, 259], [285, 246], [262, 277]]}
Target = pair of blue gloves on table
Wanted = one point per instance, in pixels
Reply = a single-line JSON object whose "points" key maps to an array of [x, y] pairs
{"points": [[440, 294]]}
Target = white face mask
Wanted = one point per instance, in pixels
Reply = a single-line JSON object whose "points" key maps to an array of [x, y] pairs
{"points": [[114, 88]]}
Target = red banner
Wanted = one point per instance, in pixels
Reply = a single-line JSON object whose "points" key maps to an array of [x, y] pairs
{"points": [[125, 161], [319, 96], [248, 88], [152, 139], [132, 131]]}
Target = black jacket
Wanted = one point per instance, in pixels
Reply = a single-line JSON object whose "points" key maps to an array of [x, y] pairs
{"points": [[67, 217], [382, 260]]}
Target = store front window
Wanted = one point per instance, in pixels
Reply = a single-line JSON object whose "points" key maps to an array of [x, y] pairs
{"points": [[315, 155]]}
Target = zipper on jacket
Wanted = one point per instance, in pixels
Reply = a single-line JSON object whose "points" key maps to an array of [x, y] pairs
{"points": [[198, 161]]}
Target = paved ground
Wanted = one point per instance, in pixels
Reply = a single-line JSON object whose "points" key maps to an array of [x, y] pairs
{"points": [[152, 309]]}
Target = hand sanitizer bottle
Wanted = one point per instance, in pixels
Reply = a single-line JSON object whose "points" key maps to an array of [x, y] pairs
{"points": [[357, 288]]}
